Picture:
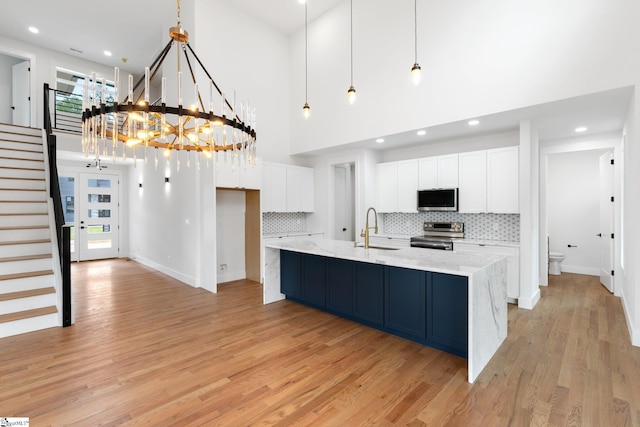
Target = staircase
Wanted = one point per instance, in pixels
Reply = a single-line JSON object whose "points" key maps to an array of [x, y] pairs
{"points": [[28, 298]]}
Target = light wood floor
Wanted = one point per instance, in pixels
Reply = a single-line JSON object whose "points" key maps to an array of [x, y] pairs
{"points": [[148, 350]]}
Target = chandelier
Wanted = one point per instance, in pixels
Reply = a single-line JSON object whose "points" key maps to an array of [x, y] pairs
{"points": [[108, 122]]}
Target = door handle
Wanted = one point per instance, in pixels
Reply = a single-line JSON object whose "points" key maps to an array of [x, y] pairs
{"points": [[344, 229], [82, 227], [599, 234]]}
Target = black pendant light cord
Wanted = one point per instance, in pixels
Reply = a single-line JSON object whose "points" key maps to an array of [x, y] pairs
{"points": [[415, 28], [306, 59], [352, 43]]}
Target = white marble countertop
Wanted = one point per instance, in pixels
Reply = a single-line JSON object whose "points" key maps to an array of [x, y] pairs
{"points": [[489, 242], [290, 234], [448, 262]]}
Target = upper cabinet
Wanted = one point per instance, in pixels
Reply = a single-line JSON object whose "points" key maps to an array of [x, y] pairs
{"points": [[287, 188], [502, 180], [242, 176], [472, 193], [489, 181], [397, 186], [438, 172]]}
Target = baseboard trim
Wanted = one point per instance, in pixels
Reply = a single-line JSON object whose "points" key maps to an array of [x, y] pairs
{"points": [[230, 276], [577, 269], [530, 302], [165, 270], [633, 334]]}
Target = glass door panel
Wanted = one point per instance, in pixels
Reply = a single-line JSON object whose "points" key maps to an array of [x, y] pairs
{"points": [[98, 215]]}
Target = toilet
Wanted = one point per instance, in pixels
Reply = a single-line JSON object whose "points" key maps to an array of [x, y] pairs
{"points": [[555, 258]]}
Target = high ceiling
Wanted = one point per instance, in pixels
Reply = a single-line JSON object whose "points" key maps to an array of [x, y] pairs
{"points": [[80, 29], [86, 29]]}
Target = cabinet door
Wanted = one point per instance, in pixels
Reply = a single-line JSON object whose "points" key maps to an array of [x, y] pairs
{"points": [[307, 191], [408, 186], [290, 273], [340, 274], [369, 293], [427, 173], [502, 180], [405, 301], [387, 187], [274, 187], [448, 171], [472, 192], [447, 312], [293, 189], [314, 279]]}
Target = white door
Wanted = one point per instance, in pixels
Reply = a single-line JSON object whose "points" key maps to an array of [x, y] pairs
{"points": [[20, 103], [606, 220], [341, 214], [97, 216]]}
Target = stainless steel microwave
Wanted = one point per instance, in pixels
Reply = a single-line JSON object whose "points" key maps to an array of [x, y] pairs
{"points": [[438, 199]]}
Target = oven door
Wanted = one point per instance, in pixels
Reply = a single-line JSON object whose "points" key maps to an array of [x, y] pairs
{"points": [[432, 244]]}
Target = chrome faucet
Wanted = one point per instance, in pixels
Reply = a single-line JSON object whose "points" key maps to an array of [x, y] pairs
{"points": [[365, 233]]}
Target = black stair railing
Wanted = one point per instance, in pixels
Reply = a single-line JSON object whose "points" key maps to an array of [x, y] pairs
{"points": [[62, 230]]}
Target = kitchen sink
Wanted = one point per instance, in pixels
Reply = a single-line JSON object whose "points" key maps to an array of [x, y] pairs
{"points": [[384, 248]]}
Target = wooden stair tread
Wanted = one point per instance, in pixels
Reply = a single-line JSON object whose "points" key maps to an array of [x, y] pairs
{"points": [[24, 242], [10, 317], [22, 168], [19, 178], [28, 293], [25, 257], [23, 189], [24, 227], [25, 275], [21, 158], [22, 214], [23, 201]]}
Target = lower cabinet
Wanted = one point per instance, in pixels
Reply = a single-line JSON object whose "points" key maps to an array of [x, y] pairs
{"points": [[447, 308], [405, 301], [429, 308]]}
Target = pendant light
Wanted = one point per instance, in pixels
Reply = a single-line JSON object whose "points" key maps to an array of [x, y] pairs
{"points": [[416, 71], [306, 110], [351, 93]]}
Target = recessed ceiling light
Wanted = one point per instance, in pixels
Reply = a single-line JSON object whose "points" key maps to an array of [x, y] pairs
{"points": [[107, 53], [34, 30], [581, 129], [473, 122], [380, 140], [421, 132]]}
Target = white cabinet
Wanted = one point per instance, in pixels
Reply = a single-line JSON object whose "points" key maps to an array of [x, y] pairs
{"points": [[489, 181], [242, 176], [397, 186], [287, 188], [472, 192], [407, 186], [300, 194], [438, 172], [274, 187], [513, 263], [502, 180]]}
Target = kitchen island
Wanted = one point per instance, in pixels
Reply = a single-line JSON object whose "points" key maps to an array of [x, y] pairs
{"points": [[455, 302]]}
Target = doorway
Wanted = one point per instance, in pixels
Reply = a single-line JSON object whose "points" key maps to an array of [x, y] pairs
{"points": [[570, 207], [15, 90], [90, 203], [344, 202]]}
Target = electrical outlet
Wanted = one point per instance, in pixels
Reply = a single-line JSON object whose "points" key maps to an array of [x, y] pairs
{"points": [[223, 267]]}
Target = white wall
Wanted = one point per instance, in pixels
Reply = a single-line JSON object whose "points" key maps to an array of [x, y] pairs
{"points": [[476, 59], [573, 209], [230, 216]]}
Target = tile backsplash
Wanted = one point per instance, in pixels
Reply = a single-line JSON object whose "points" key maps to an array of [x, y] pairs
{"points": [[283, 222], [476, 226]]}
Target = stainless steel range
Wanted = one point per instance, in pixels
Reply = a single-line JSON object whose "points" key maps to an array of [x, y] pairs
{"points": [[439, 235]]}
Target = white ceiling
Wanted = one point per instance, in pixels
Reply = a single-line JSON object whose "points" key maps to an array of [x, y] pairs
{"points": [[79, 25]]}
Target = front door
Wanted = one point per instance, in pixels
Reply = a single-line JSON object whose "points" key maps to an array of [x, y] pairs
{"points": [[97, 217]]}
